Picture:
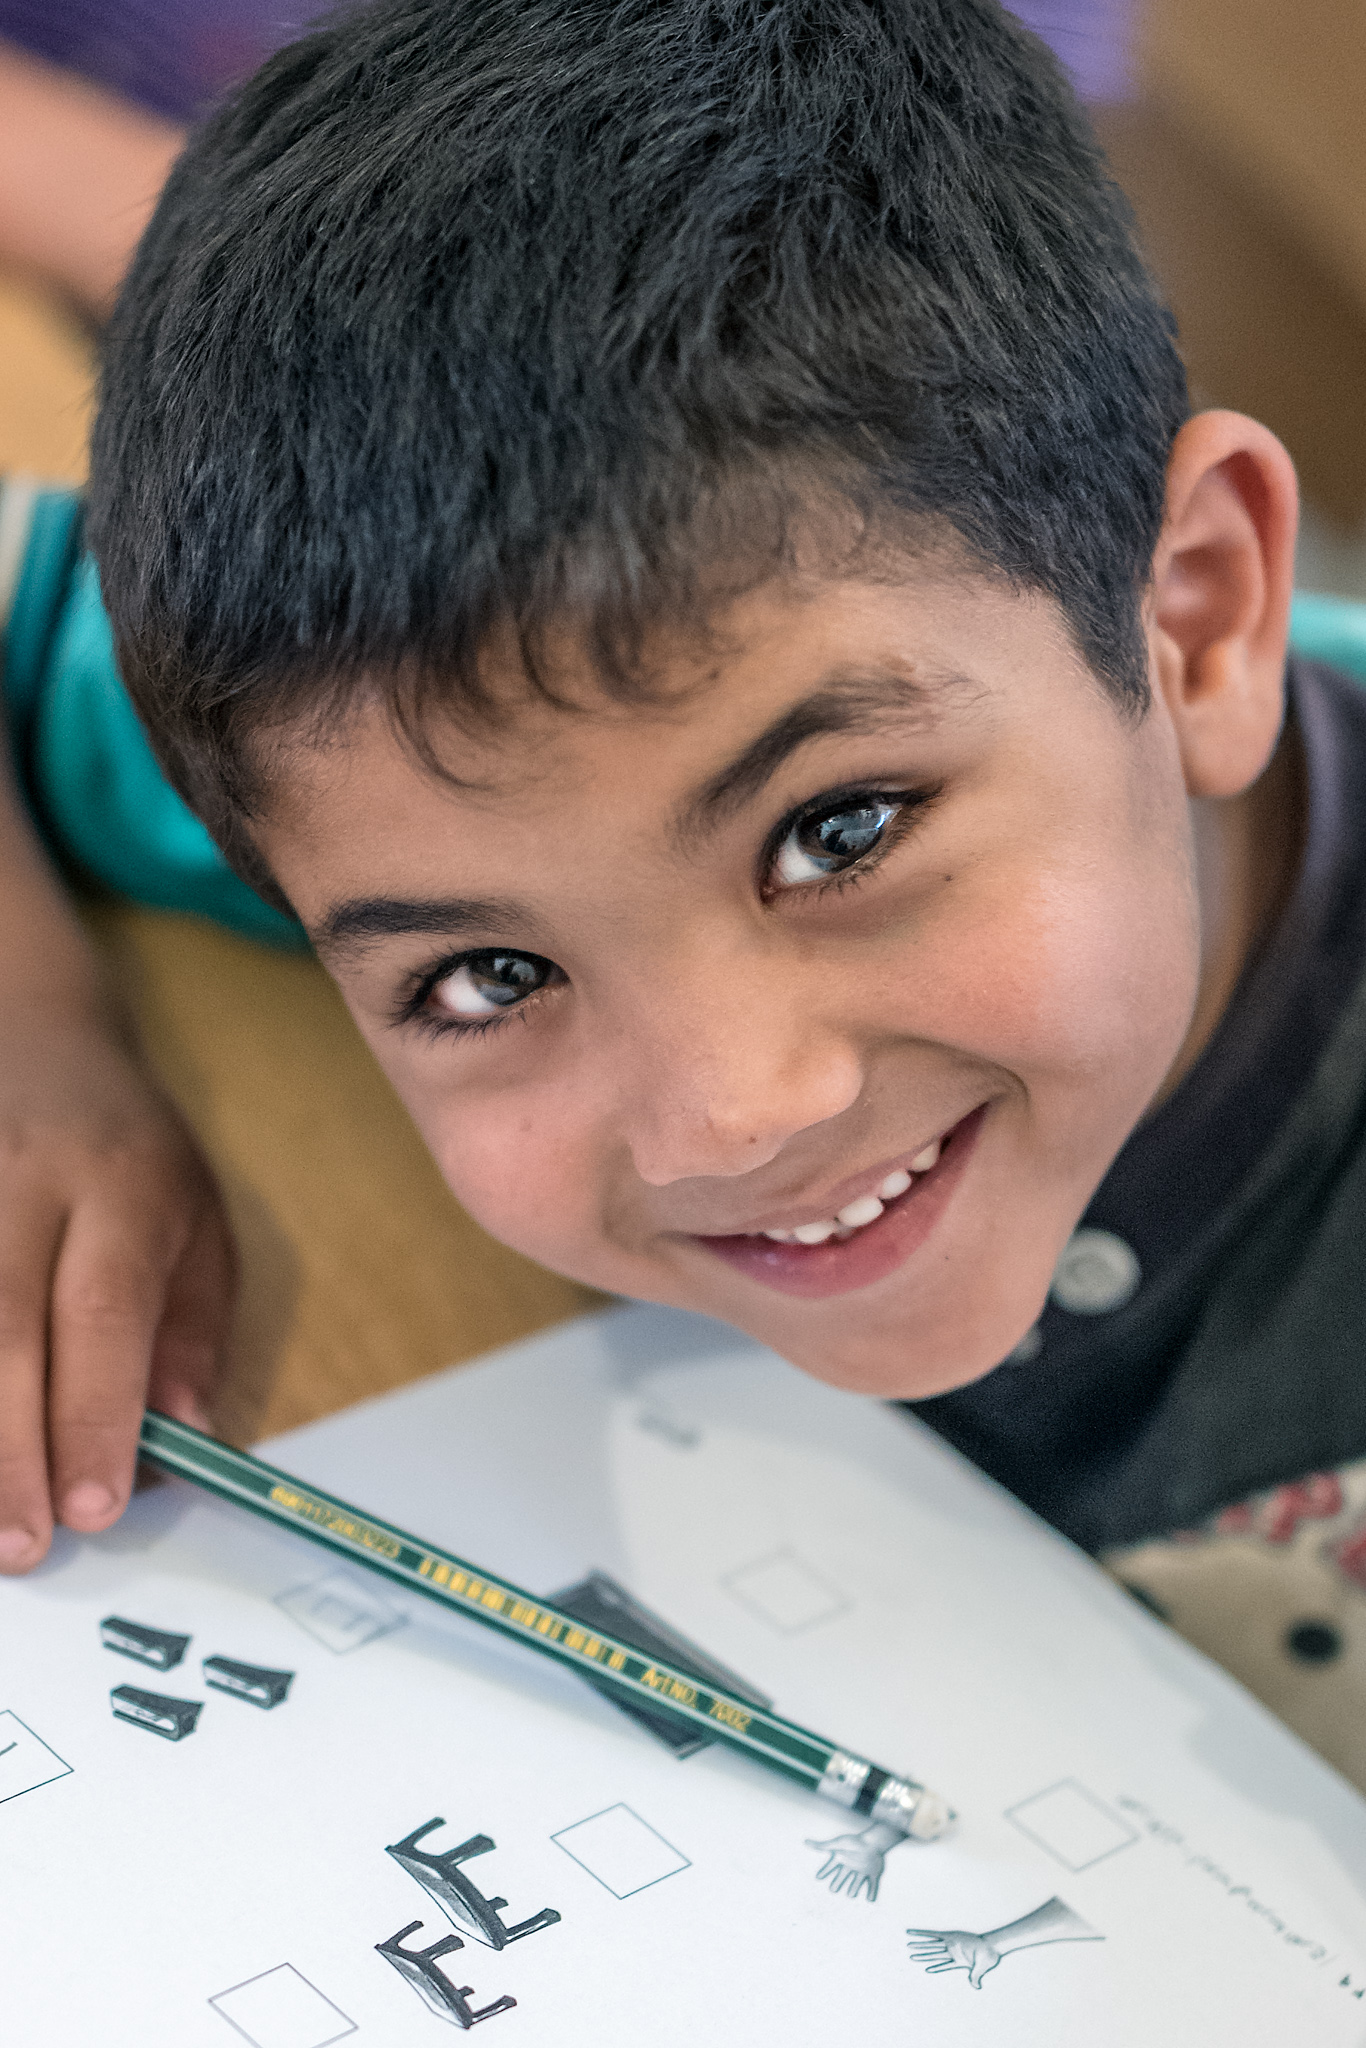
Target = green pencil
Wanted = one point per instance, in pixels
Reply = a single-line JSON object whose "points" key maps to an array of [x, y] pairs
{"points": [[851, 1781]]}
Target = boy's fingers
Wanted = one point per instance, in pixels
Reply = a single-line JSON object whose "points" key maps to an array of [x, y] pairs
{"points": [[107, 1299], [28, 1251], [191, 1342]]}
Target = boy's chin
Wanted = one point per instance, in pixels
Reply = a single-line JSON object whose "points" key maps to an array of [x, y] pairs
{"points": [[901, 1365]]}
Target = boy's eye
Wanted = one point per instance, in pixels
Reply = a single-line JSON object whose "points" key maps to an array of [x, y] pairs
{"points": [[828, 840], [485, 983]]}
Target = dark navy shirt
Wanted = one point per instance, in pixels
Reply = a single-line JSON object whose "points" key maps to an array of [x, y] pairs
{"points": [[1172, 1370]]}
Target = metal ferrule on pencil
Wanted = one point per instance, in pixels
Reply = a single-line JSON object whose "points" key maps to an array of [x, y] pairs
{"points": [[899, 1802]]}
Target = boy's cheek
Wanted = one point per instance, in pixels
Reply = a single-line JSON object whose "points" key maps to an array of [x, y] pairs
{"points": [[527, 1171], [556, 1184], [1075, 977]]}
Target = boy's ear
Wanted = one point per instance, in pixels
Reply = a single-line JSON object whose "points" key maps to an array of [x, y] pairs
{"points": [[1219, 604]]}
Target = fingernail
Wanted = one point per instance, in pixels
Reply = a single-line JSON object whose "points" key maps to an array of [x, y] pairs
{"points": [[16, 1545], [87, 1502]]}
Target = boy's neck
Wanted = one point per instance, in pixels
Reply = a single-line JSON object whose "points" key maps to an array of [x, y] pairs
{"points": [[1248, 851]]}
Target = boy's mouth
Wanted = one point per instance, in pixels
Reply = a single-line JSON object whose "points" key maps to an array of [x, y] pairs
{"points": [[868, 1238]]}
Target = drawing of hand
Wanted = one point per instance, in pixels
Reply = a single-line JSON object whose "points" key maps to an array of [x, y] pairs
{"points": [[853, 1863], [953, 1948]]}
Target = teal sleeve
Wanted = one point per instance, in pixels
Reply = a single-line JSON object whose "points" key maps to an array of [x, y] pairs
{"points": [[39, 537], [104, 797], [1330, 629], [91, 777]]}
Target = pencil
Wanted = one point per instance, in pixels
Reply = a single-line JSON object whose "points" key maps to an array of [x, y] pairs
{"points": [[462, 1588]]}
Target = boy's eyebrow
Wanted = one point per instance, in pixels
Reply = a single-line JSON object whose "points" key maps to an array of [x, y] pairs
{"points": [[359, 918], [856, 704], [842, 704]]}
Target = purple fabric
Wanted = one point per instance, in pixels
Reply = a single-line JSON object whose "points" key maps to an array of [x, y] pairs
{"points": [[1094, 38], [175, 56]]}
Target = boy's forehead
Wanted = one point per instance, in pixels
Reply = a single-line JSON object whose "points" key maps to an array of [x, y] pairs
{"points": [[925, 660], [719, 710], [694, 762]]}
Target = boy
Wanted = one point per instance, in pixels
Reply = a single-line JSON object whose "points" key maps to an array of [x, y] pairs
{"points": [[670, 538]]}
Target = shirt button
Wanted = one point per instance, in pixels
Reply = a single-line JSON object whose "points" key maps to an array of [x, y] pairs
{"points": [[1096, 1273]]}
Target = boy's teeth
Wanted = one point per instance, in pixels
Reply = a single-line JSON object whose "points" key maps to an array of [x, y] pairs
{"points": [[865, 1209], [814, 1233]]}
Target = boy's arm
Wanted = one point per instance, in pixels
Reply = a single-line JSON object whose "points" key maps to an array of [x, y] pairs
{"points": [[116, 1263], [79, 174]]}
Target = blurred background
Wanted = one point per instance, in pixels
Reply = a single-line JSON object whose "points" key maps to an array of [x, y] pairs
{"points": [[1237, 128], [1240, 135]]}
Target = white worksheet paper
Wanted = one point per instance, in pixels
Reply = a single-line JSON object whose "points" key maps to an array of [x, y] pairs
{"points": [[1142, 1855]]}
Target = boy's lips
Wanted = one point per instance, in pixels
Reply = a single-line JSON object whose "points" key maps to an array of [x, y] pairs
{"points": [[840, 1265]]}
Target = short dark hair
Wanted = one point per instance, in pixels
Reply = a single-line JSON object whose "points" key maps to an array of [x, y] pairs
{"points": [[467, 313]]}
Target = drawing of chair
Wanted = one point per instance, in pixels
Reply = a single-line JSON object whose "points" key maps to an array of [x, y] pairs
{"points": [[460, 1899]]}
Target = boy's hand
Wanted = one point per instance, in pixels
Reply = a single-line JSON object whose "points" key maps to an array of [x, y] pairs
{"points": [[116, 1275]]}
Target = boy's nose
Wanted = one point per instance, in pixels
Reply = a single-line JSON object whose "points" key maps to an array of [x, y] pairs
{"points": [[719, 1086]]}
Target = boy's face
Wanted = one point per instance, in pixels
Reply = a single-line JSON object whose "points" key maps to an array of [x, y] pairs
{"points": [[883, 870]]}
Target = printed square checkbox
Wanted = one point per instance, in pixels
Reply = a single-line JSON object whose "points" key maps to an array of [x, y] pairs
{"points": [[786, 1592], [622, 1851], [341, 1611], [1071, 1824], [26, 1762], [281, 2009]]}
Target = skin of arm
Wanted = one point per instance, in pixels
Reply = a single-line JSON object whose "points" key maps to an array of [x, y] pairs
{"points": [[116, 1263], [79, 174]]}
